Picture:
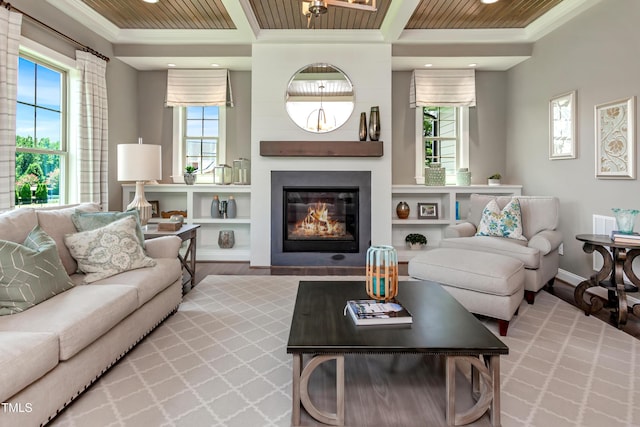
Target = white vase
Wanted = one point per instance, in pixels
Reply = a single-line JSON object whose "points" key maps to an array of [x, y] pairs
{"points": [[493, 181], [415, 246]]}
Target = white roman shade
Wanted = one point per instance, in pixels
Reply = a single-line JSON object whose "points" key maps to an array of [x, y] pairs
{"points": [[186, 88], [443, 88]]}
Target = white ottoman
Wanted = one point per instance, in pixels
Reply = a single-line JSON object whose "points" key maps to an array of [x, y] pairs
{"points": [[484, 283]]}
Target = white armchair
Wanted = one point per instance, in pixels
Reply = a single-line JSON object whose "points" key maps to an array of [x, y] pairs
{"points": [[539, 252]]}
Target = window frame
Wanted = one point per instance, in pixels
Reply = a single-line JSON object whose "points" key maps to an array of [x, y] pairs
{"points": [[47, 57], [462, 145], [180, 149]]}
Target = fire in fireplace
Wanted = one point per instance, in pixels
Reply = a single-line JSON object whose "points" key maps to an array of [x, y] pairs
{"points": [[320, 219]]}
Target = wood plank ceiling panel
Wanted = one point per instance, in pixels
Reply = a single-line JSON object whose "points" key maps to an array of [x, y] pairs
{"points": [[469, 14], [287, 15], [173, 14]]}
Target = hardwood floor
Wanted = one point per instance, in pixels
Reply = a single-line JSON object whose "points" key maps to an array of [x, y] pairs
{"points": [[560, 289]]}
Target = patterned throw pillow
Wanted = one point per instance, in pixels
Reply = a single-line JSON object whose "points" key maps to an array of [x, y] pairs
{"points": [[86, 221], [108, 250], [506, 223], [30, 273]]}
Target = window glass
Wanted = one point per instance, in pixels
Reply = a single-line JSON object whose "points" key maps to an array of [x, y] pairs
{"points": [[201, 139], [40, 134]]}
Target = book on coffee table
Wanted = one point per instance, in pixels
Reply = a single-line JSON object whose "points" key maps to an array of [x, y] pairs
{"points": [[372, 312]]}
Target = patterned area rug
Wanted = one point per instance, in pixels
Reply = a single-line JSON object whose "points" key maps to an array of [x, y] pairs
{"points": [[221, 361]]}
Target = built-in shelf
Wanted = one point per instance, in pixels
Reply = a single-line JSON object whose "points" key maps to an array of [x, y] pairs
{"points": [[321, 148]]}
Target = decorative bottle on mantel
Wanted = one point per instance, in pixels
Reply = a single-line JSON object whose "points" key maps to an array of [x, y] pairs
{"points": [[231, 207], [374, 124], [363, 127]]}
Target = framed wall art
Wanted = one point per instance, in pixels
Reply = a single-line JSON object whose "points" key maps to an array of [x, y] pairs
{"points": [[427, 211], [562, 126], [155, 208], [616, 139]]}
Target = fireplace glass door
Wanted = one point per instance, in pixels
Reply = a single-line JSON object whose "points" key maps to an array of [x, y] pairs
{"points": [[320, 219]]}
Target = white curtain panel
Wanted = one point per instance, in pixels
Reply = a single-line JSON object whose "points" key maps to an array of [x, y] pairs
{"points": [[10, 23], [187, 88], [93, 144], [443, 88]]}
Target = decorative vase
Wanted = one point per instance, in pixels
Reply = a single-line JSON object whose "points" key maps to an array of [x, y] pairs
{"points": [[415, 246], [215, 207], [403, 210], [231, 207], [226, 239], [435, 175], [493, 181], [463, 177], [374, 124], [382, 272], [362, 134], [625, 219], [189, 178]]}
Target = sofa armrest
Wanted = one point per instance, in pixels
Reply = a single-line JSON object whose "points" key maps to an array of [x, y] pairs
{"points": [[546, 241], [464, 229], [163, 247]]}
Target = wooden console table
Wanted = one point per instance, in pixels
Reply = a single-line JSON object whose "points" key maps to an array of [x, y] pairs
{"points": [[610, 276], [186, 232]]}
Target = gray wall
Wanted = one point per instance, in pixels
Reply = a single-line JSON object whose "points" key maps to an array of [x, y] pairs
{"points": [[596, 54], [487, 122]]}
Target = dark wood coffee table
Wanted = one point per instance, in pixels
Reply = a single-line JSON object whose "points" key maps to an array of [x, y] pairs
{"points": [[441, 326]]}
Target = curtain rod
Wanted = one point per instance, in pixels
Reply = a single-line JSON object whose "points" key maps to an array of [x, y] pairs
{"points": [[37, 21]]}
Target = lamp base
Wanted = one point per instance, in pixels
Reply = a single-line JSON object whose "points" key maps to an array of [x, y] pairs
{"points": [[140, 204]]}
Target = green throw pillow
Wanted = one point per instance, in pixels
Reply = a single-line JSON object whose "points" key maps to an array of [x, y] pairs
{"points": [[30, 273], [86, 221], [108, 250], [502, 223]]}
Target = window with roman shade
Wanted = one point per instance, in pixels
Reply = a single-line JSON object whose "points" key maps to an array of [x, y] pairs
{"points": [[200, 98], [442, 99]]}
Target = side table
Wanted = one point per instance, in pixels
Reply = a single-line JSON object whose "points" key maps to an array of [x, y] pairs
{"points": [[610, 276], [188, 232]]}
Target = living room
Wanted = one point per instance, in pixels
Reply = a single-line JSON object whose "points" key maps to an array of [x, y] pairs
{"points": [[591, 52]]}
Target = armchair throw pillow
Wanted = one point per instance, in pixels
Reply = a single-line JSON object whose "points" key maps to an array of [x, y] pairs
{"points": [[506, 223], [108, 250], [30, 273]]}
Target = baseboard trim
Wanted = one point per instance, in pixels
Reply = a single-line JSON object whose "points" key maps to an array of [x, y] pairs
{"points": [[569, 278]]}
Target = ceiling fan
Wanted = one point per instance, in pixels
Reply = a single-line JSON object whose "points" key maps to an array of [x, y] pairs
{"points": [[316, 8]]}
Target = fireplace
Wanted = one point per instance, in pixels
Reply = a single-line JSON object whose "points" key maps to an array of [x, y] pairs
{"points": [[320, 217]]}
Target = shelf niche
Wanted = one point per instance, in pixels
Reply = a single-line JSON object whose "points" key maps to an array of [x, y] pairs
{"points": [[321, 148]]}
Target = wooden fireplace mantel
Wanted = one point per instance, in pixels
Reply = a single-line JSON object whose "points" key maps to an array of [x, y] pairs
{"points": [[321, 148]]}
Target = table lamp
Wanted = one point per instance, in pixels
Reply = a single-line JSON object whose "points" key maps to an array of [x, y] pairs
{"points": [[140, 163]]}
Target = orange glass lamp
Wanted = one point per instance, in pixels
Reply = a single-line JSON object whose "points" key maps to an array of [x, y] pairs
{"points": [[140, 162], [382, 272]]}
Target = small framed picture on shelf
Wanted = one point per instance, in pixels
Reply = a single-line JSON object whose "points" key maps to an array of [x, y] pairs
{"points": [[155, 208], [427, 211]]}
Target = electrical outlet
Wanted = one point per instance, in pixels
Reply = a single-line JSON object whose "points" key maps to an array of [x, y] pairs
{"points": [[561, 249]]}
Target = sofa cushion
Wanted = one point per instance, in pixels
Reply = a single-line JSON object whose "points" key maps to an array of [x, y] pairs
{"points": [[108, 250], [498, 245], [30, 273], [15, 225], [78, 316], [148, 281], [25, 357], [85, 221], [501, 223], [57, 222]]}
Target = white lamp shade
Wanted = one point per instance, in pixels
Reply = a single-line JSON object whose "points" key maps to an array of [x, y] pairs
{"points": [[139, 162]]}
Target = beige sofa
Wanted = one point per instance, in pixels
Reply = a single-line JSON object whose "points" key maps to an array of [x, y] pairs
{"points": [[56, 349], [538, 253]]}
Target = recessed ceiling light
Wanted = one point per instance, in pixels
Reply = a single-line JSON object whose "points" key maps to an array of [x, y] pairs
{"points": [[428, 65], [150, 1], [473, 65], [488, 1], [215, 65], [171, 65]]}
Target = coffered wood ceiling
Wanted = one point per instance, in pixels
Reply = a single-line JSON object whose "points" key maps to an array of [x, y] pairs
{"points": [[198, 33], [287, 15]]}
